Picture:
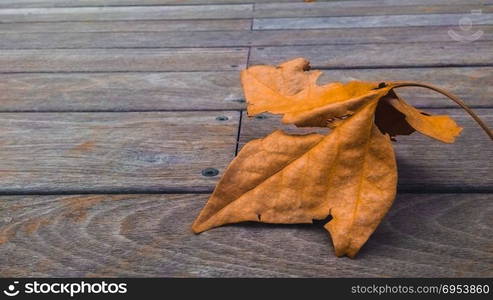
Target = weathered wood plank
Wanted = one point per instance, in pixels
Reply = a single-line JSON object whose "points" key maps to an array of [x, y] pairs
{"points": [[364, 8], [296, 8], [473, 85], [128, 26], [121, 91], [380, 55], [344, 3], [82, 3], [146, 151], [212, 90], [234, 38], [118, 60], [240, 11], [162, 152], [437, 235], [423, 164], [368, 21]]}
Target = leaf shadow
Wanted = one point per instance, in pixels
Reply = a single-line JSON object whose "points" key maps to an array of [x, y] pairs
{"points": [[378, 243], [252, 224], [408, 171], [385, 235]]}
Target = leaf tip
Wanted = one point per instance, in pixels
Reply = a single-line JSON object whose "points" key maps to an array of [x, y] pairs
{"points": [[449, 133], [454, 135], [197, 227]]}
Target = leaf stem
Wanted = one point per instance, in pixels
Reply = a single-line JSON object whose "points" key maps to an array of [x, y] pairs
{"points": [[452, 97]]}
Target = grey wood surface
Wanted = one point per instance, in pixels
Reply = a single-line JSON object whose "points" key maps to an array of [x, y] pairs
{"points": [[240, 11], [83, 3], [213, 90], [121, 91], [127, 26], [117, 60], [334, 3], [130, 102], [112, 152], [235, 38], [369, 21], [158, 151], [430, 54], [364, 8], [472, 84], [424, 235], [423, 163]]}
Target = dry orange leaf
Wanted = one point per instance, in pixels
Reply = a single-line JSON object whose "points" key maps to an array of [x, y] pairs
{"points": [[349, 174]]}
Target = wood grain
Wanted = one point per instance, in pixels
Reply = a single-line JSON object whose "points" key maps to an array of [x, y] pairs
{"points": [[423, 164], [368, 21], [364, 8], [130, 13], [437, 235], [114, 152], [82, 3], [235, 38], [127, 26], [212, 90], [118, 60], [97, 116], [380, 55], [159, 152], [121, 91], [473, 85], [334, 3]]}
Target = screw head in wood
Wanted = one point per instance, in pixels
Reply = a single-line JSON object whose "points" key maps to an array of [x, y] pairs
{"points": [[222, 118], [210, 172]]}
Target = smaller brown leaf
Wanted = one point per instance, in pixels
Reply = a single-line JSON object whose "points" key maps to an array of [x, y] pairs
{"points": [[439, 127]]}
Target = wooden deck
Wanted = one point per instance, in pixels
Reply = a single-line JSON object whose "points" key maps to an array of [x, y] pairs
{"points": [[111, 109]]}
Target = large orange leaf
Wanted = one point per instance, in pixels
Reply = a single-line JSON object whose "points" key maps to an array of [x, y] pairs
{"points": [[349, 174], [282, 178]]}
